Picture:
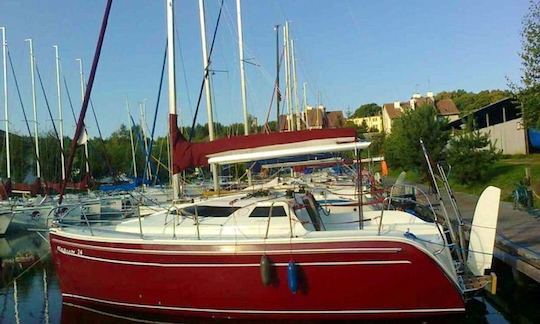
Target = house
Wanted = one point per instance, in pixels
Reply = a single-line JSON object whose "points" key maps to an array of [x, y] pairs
{"points": [[502, 121], [313, 118], [372, 122], [446, 108]]}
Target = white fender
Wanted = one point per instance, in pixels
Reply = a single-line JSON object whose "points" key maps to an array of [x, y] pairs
{"points": [[483, 231]]}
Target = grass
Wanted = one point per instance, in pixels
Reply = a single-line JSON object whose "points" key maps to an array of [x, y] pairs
{"points": [[505, 174]]}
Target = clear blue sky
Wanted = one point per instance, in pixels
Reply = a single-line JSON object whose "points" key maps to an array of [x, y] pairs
{"points": [[352, 51]]}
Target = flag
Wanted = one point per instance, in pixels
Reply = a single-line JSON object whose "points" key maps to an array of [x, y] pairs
{"points": [[83, 138]]}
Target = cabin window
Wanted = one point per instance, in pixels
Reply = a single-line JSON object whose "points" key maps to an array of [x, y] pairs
{"points": [[277, 211], [209, 211]]}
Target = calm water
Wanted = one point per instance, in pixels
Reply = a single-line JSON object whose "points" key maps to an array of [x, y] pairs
{"points": [[29, 292]]}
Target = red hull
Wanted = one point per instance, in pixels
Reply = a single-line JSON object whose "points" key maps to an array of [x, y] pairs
{"points": [[356, 279]]}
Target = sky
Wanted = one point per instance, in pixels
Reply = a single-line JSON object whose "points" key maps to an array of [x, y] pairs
{"points": [[349, 52]]}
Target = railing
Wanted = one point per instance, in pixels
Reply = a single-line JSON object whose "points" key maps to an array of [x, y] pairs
{"points": [[388, 202]]}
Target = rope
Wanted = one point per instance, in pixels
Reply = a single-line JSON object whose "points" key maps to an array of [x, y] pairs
{"points": [[206, 71]]}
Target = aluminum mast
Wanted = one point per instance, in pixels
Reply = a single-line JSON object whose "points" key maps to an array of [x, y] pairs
{"points": [[60, 116], [6, 110], [175, 178], [242, 71], [81, 74], [36, 137], [208, 89]]}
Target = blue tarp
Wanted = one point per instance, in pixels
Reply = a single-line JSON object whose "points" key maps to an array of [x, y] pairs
{"points": [[126, 186], [534, 137]]}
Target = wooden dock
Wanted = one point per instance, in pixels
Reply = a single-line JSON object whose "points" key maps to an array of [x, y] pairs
{"points": [[518, 233]]}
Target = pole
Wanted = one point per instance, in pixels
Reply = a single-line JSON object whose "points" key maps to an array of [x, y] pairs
{"points": [[278, 96], [81, 74], [242, 75], [304, 106], [130, 123], [242, 70], [295, 86], [208, 89], [175, 183], [6, 110], [60, 117], [36, 137], [142, 107], [287, 76], [80, 122]]}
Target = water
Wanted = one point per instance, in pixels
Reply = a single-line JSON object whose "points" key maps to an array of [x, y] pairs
{"points": [[29, 292]]}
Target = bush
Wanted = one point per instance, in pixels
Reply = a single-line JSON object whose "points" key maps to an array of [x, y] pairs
{"points": [[471, 155], [402, 147]]}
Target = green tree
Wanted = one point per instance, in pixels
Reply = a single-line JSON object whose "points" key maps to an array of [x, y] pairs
{"points": [[529, 92], [471, 155], [402, 147], [469, 101], [370, 109]]}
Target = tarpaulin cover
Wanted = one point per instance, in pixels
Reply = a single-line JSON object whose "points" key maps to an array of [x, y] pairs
{"points": [[187, 154]]}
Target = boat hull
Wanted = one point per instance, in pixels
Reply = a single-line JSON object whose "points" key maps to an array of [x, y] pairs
{"points": [[337, 280]]}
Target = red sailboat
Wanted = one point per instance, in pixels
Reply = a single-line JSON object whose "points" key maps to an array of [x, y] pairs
{"points": [[272, 254]]}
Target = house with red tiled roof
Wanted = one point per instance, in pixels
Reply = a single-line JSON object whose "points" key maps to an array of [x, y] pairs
{"points": [[314, 118], [445, 107]]}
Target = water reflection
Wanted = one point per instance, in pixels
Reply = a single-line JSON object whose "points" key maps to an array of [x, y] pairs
{"points": [[29, 293]]}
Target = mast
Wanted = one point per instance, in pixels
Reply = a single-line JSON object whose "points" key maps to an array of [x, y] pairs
{"points": [[242, 71], [6, 111], [130, 123], [36, 137], [290, 121], [207, 88], [142, 107], [81, 74], [60, 117], [172, 91], [295, 87], [305, 106], [278, 96], [88, 92]]}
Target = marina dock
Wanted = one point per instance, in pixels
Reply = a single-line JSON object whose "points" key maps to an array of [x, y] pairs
{"points": [[518, 235], [517, 243]]}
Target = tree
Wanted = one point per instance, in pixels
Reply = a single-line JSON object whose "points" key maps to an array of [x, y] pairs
{"points": [[469, 101], [529, 92], [370, 109], [471, 155], [530, 46], [402, 147]]}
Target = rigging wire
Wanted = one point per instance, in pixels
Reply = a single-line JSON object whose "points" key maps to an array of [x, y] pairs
{"points": [[148, 160], [22, 108], [47, 104], [183, 67], [192, 131], [19, 94]]}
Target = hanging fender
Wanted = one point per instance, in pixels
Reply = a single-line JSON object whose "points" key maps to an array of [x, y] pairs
{"points": [[292, 273], [266, 270]]}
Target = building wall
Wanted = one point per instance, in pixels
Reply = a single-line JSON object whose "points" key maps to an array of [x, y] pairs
{"points": [[371, 121], [387, 122], [508, 136]]}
